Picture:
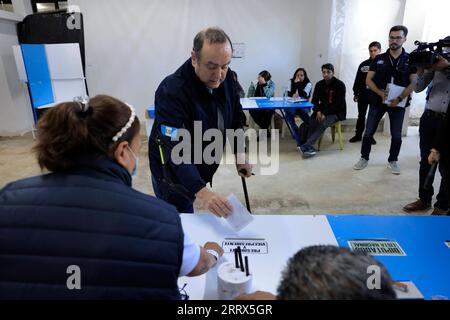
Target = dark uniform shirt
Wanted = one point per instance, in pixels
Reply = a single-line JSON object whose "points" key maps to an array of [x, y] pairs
{"points": [[387, 69]]}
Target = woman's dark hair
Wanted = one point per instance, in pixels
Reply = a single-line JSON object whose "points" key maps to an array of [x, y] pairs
{"points": [[266, 75], [71, 130], [306, 81]]}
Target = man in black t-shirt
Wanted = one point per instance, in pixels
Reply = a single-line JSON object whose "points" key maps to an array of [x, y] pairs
{"points": [[361, 91]]}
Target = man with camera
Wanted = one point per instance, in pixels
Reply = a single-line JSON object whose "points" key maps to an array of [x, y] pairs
{"points": [[437, 78]]}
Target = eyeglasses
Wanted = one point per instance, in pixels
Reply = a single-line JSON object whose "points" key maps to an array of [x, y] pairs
{"points": [[395, 38], [183, 293]]}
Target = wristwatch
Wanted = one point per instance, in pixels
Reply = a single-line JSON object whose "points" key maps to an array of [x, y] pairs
{"points": [[400, 99]]}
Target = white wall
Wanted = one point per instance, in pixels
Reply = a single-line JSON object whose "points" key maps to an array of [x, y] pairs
{"points": [[365, 21], [131, 46], [15, 107]]}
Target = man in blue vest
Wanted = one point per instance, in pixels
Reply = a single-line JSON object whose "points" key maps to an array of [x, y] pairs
{"points": [[200, 91]]}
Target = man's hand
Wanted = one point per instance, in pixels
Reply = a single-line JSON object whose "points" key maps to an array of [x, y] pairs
{"points": [[214, 202], [247, 168], [434, 156], [441, 64], [394, 103], [258, 295], [355, 98], [320, 116], [242, 164]]}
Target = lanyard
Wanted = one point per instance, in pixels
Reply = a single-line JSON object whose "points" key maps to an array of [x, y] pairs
{"points": [[395, 67]]}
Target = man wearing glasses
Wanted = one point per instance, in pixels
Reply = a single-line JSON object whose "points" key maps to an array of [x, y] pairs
{"points": [[388, 71]]}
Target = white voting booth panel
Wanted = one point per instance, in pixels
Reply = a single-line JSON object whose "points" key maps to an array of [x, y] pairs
{"points": [[20, 64], [284, 235], [64, 61], [65, 68]]}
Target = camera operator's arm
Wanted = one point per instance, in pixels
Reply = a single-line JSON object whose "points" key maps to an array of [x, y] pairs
{"points": [[372, 86], [424, 77], [441, 64]]}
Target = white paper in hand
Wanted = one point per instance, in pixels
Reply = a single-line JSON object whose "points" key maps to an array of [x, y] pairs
{"points": [[240, 217], [395, 91]]}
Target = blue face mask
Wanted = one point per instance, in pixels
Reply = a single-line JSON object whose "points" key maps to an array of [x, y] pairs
{"points": [[134, 172]]}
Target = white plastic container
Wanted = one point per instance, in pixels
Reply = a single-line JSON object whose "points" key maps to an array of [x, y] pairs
{"points": [[232, 282]]}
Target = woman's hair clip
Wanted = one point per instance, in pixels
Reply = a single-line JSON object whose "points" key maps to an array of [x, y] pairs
{"points": [[83, 102]]}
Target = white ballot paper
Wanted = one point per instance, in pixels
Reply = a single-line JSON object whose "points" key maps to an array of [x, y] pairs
{"points": [[240, 217], [395, 91]]}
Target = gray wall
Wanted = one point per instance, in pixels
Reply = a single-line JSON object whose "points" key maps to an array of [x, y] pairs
{"points": [[15, 107], [131, 46]]}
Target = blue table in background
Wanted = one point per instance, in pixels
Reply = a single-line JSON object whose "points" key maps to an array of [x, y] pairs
{"points": [[275, 103], [427, 260]]}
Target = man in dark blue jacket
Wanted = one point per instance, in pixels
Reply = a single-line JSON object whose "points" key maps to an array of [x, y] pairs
{"points": [[200, 95]]}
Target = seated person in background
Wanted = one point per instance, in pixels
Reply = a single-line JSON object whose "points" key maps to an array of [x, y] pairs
{"points": [[329, 108], [329, 273], [264, 88], [300, 88], [84, 215]]}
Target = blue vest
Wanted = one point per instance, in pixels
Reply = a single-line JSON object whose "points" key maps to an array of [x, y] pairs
{"points": [[127, 245]]}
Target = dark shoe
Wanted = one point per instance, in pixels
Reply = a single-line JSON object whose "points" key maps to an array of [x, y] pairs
{"points": [[355, 139], [418, 205], [439, 212], [307, 151], [374, 141]]}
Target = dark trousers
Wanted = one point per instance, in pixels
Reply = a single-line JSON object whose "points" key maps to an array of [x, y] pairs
{"points": [[181, 203], [363, 104], [429, 124], [316, 128], [376, 112], [289, 114]]}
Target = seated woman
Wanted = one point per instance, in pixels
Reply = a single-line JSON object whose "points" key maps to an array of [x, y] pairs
{"points": [[300, 88], [81, 231], [264, 88]]}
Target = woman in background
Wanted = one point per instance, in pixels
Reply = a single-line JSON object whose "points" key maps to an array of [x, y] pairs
{"points": [[265, 88], [300, 88]]}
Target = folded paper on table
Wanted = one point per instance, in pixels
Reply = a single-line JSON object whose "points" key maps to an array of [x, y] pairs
{"points": [[296, 100], [394, 91], [240, 217]]}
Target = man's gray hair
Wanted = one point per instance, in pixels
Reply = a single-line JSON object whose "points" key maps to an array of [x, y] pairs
{"points": [[212, 35], [332, 273]]}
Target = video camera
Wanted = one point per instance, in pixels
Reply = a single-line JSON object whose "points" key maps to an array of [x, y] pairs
{"points": [[426, 53]]}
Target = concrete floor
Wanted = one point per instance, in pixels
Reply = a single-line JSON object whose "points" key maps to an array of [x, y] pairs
{"points": [[325, 184]]}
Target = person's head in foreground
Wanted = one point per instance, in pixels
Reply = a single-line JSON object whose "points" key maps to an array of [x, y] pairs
{"points": [[329, 272], [101, 128]]}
